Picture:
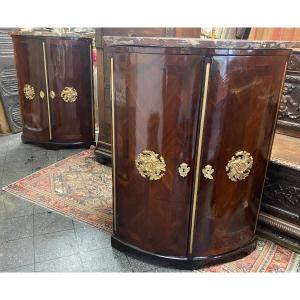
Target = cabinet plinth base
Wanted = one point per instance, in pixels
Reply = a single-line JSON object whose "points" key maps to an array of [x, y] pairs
{"points": [[56, 146], [184, 263]]}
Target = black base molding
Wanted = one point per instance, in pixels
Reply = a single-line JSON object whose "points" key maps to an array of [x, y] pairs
{"points": [[184, 263], [57, 146]]}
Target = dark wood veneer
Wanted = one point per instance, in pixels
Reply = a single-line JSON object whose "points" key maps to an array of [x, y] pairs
{"points": [[103, 150], [159, 97], [243, 96], [169, 109], [68, 64]]}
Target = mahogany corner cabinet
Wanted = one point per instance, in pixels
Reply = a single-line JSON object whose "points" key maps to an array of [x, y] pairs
{"points": [[192, 128], [55, 76]]}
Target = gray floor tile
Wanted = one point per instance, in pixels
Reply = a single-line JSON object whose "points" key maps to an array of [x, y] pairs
{"points": [[42, 159], [17, 167], [105, 260], [4, 138], [38, 165], [51, 222], [39, 209], [23, 269], [168, 269], [64, 153], [55, 245], [16, 228], [90, 238], [2, 159], [10, 176], [2, 208], [141, 264], [16, 207], [16, 253], [19, 157], [63, 264], [54, 250]]}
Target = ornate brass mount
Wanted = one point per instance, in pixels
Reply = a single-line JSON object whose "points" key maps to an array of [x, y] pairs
{"points": [[69, 94], [42, 94], [52, 94], [150, 165], [29, 91], [238, 168], [183, 169], [207, 172]]}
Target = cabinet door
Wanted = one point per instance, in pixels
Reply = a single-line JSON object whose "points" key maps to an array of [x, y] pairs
{"points": [[70, 90], [32, 88], [157, 99], [243, 93]]}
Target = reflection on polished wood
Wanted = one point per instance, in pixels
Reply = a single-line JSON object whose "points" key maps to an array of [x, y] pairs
{"points": [[104, 145], [57, 68], [168, 102]]}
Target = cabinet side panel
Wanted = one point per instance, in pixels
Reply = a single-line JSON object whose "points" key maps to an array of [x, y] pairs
{"points": [[157, 105], [241, 110]]}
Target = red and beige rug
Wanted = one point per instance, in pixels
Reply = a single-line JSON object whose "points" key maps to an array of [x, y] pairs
{"points": [[80, 188]]}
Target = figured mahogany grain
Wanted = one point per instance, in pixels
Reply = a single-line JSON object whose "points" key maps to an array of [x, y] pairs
{"points": [[157, 107], [29, 63], [241, 110], [158, 100], [69, 65]]}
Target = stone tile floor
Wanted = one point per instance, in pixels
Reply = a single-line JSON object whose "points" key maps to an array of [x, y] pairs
{"points": [[33, 239]]}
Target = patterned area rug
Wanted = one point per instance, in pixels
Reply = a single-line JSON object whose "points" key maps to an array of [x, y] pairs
{"points": [[77, 187], [80, 188]]}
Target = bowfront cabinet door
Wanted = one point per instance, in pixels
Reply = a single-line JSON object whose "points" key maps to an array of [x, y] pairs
{"points": [[70, 89], [239, 120], [32, 88], [157, 100]]}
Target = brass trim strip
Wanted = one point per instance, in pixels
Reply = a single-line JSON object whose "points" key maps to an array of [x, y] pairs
{"points": [[112, 89], [47, 92], [198, 159], [271, 144], [92, 92]]}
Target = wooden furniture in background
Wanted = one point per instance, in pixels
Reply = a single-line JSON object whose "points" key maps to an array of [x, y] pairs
{"points": [[289, 111], [56, 88], [192, 123], [279, 219], [9, 94], [103, 150], [275, 34], [4, 127]]}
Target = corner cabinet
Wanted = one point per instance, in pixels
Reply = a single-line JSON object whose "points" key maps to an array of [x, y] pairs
{"points": [[193, 123], [55, 75]]}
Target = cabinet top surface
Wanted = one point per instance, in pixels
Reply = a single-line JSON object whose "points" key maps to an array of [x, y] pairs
{"points": [[196, 43], [45, 34]]}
